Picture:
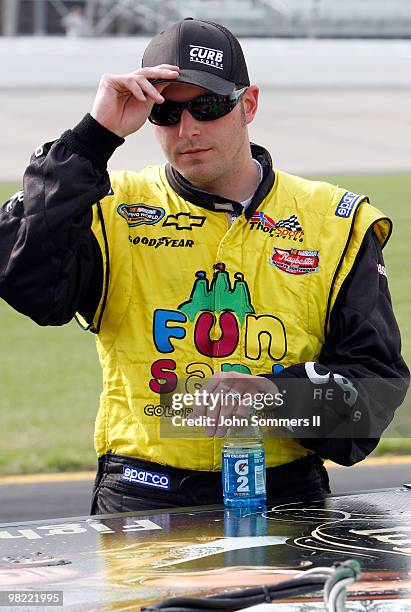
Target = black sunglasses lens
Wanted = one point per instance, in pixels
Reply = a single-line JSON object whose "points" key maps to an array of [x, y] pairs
{"points": [[207, 108], [203, 108], [167, 113]]}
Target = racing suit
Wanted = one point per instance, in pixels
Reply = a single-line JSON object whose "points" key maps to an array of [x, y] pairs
{"points": [[99, 259]]}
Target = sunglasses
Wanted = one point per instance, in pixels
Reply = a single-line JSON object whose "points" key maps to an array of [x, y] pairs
{"points": [[204, 108]]}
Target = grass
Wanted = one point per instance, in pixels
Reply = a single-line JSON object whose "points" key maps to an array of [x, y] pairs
{"points": [[50, 378], [50, 381]]}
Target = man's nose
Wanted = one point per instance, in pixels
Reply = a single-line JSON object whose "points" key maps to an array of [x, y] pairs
{"points": [[188, 126]]}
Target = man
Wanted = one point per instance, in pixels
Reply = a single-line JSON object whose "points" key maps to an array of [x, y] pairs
{"points": [[212, 266]]}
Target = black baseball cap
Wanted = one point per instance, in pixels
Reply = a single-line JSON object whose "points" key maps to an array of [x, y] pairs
{"points": [[207, 53]]}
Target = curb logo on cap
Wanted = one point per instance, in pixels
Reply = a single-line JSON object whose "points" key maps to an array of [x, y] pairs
{"points": [[205, 55]]}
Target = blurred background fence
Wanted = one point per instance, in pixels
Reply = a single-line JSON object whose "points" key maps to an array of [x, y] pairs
{"points": [[279, 18]]}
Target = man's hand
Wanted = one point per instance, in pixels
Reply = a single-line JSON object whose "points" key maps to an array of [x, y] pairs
{"points": [[124, 101], [232, 394]]}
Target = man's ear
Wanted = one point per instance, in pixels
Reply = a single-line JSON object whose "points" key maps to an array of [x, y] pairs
{"points": [[249, 103]]}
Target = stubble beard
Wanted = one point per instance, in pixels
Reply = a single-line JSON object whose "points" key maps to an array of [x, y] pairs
{"points": [[205, 176], [201, 176]]}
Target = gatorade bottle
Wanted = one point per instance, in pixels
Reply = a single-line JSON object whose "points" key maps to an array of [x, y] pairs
{"points": [[243, 467]]}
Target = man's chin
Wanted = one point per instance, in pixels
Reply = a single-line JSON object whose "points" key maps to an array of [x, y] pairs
{"points": [[197, 174]]}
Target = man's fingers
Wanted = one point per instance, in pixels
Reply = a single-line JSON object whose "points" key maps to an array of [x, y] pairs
{"points": [[223, 399], [138, 82], [200, 410], [158, 73], [142, 89], [220, 427], [150, 69], [232, 394], [149, 90], [136, 90]]}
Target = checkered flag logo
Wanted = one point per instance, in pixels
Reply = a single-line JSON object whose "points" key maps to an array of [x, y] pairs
{"points": [[291, 223]]}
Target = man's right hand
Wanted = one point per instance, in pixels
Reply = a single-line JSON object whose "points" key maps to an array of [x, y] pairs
{"points": [[124, 101]]}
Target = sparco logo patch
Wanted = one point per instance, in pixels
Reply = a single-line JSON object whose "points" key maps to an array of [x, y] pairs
{"points": [[294, 261], [146, 478], [140, 214], [346, 204], [205, 55], [184, 221]]}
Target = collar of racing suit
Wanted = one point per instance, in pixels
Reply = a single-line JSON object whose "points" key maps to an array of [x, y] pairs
{"points": [[217, 203]]}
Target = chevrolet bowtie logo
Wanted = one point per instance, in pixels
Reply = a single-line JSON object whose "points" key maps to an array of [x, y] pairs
{"points": [[184, 221]]}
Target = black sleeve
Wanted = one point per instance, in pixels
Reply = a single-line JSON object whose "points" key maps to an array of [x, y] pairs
{"points": [[360, 366], [50, 261]]}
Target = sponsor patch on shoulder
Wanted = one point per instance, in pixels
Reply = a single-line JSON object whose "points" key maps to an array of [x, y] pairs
{"points": [[146, 477], [346, 204], [140, 214], [295, 261]]}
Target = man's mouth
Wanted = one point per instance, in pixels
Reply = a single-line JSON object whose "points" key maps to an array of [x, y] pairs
{"points": [[194, 151]]}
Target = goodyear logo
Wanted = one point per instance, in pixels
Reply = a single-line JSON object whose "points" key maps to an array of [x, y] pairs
{"points": [[346, 204], [140, 214]]}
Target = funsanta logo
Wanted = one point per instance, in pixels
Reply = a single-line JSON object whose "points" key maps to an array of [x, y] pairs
{"points": [[294, 261], [205, 55]]}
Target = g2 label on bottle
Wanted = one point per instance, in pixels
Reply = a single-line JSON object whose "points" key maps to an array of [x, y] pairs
{"points": [[243, 473]]}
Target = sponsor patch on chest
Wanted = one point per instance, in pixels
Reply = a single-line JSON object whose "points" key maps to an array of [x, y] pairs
{"points": [[140, 214], [295, 261], [288, 228], [184, 221]]}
